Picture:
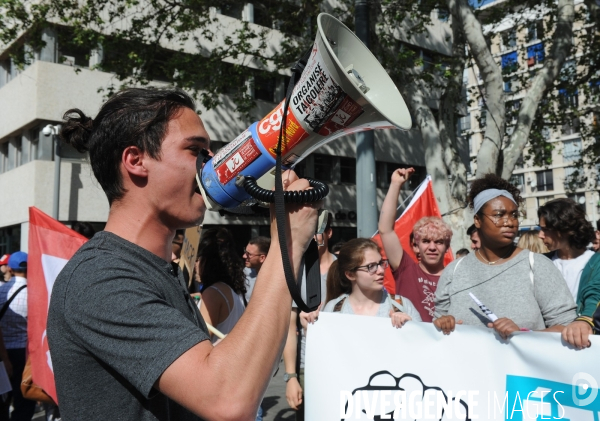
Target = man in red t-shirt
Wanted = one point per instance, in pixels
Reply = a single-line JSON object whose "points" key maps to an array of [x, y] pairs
{"points": [[415, 281]]}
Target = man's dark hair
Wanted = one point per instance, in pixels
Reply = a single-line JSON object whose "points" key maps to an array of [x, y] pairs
{"points": [[84, 228], [132, 117], [566, 217], [462, 252], [263, 243], [337, 246], [471, 230], [598, 225]]}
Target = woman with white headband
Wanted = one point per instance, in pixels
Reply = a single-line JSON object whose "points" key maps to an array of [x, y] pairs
{"points": [[524, 290]]}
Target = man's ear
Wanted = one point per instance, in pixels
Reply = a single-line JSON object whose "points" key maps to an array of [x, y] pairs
{"points": [[133, 161], [262, 258], [328, 233]]}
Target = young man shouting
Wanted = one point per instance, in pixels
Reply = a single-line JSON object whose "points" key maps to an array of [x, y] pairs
{"points": [[121, 320]]}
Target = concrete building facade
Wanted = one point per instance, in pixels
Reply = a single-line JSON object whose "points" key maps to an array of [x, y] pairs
{"points": [[38, 95]]}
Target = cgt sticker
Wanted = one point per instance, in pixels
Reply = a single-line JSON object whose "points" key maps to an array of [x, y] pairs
{"points": [[237, 160], [269, 127]]}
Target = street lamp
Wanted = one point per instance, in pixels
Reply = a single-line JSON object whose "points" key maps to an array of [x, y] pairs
{"points": [[51, 130]]}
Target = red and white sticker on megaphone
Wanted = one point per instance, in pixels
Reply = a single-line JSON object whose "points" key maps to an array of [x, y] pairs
{"points": [[269, 127]]}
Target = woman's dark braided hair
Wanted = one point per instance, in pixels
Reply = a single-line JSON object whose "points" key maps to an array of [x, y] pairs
{"points": [[219, 260]]}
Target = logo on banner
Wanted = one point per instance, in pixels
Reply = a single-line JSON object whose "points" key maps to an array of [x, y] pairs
{"points": [[545, 399], [406, 397]]}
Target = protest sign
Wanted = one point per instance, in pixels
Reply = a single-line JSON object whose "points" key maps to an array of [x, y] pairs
{"points": [[361, 368], [189, 251]]}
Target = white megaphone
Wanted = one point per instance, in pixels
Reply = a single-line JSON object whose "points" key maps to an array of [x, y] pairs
{"points": [[342, 90]]}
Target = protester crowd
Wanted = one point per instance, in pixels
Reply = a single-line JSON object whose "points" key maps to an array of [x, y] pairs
{"points": [[543, 279], [548, 280]]}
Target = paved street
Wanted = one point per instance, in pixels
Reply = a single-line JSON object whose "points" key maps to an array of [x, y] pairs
{"points": [[274, 405]]}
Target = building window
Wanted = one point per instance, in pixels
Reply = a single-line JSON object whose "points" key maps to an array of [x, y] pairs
{"points": [[535, 31], [233, 10], [571, 150], [574, 178], [509, 62], [572, 126], [545, 180], [543, 200], [520, 162], [4, 157], [443, 14], [482, 120], [518, 180], [535, 54], [578, 198], [264, 86], [262, 16], [595, 88], [10, 239], [568, 98], [464, 123], [323, 167], [508, 39], [348, 170], [568, 71]]}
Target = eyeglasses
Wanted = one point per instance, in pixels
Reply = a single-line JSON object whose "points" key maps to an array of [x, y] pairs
{"points": [[250, 254], [372, 267], [501, 218]]}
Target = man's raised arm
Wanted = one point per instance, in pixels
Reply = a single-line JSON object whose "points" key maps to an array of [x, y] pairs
{"points": [[227, 382], [387, 217]]}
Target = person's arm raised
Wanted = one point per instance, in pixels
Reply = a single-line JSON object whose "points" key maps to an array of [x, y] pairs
{"points": [[387, 217], [228, 382]]}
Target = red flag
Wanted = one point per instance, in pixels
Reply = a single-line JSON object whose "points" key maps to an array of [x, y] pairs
{"points": [[422, 204], [51, 245]]}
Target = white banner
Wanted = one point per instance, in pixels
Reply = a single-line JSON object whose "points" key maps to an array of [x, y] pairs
{"points": [[360, 367]]}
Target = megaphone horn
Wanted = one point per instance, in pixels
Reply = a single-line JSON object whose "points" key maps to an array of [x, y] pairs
{"points": [[342, 90]]}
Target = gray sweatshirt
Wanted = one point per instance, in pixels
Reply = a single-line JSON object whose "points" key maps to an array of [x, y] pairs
{"points": [[506, 289]]}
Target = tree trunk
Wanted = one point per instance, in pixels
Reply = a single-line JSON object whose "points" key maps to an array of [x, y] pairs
{"points": [[489, 152], [561, 44]]}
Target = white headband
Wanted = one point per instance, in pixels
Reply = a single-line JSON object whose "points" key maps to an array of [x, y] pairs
{"points": [[487, 195]]}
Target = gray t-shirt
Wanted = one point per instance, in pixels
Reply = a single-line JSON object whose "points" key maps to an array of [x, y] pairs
{"points": [[384, 307], [119, 316], [506, 289]]}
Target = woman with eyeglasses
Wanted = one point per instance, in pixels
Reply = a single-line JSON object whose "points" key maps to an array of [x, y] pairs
{"points": [[355, 285], [523, 289]]}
